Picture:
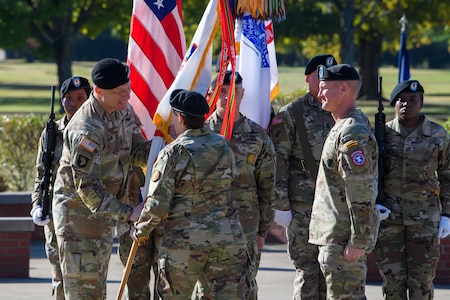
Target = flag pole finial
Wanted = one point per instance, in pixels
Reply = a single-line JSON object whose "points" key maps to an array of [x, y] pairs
{"points": [[403, 21]]}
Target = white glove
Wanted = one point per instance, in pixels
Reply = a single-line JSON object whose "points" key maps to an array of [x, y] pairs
{"points": [[444, 227], [36, 213], [383, 212], [283, 217], [132, 233]]}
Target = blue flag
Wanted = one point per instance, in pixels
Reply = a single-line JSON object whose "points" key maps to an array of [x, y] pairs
{"points": [[403, 60]]}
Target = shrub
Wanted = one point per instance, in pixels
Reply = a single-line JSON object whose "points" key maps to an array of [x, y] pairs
{"points": [[20, 138]]}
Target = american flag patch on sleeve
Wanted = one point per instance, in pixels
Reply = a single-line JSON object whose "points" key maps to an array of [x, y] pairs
{"points": [[88, 144]]}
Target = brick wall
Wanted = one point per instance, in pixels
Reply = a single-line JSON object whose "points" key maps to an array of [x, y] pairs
{"points": [[278, 235], [18, 204], [15, 237]]}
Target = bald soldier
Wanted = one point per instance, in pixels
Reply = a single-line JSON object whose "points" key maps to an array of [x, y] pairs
{"points": [[100, 142], [298, 132], [344, 220], [190, 191], [416, 192]]}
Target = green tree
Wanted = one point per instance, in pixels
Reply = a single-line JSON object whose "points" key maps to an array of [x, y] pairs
{"points": [[47, 28], [20, 138]]}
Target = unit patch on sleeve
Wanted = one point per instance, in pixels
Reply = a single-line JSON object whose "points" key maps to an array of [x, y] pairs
{"points": [[358, 158]]}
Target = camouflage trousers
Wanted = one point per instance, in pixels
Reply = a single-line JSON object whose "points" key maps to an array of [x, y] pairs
{"points": [[344, 279], [202, 292], [407, 257], [139, 279], [224, 269], [309, 283], [84, 265], [51, 249]]}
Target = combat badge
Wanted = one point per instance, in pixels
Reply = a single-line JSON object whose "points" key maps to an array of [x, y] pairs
{"points": [[358, 158]]}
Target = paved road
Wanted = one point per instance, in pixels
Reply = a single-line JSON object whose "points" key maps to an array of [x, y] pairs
{"points": [[275, 278]]}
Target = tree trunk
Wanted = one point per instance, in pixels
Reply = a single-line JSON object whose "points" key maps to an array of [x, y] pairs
{"points": [[347, 17], [369, 61]]}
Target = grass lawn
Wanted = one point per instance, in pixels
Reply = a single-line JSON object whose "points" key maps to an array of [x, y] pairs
{"points": [[26, 87]]}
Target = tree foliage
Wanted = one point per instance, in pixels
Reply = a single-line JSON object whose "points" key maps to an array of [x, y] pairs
{"points": [[20, 138]]}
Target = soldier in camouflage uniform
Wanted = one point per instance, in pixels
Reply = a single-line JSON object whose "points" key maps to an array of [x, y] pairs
{"points": [[417, 192], [100, 142], [296, 183], [190, 190], [74, 91], [344, 220], [254, 184]]}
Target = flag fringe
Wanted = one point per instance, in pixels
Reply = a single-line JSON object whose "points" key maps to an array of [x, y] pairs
{"points": [[261, 9]]}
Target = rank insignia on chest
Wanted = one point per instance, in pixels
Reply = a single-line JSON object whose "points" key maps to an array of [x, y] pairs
{"points": [[250, 158], [358, 157], [155, 175]]}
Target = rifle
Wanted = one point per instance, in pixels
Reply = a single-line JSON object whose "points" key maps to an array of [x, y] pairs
{"points": [[380, 120], [47, 158]]}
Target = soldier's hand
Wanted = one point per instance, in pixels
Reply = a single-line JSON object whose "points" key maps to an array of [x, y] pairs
{"points": [[383, 212], [36, 213], [444, 227], [132, 233], [353, 253], [136, 212], [283, 217]]}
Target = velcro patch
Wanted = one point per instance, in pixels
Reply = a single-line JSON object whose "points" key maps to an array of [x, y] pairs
{"points": [[88, 144], [350, 144], [358, 158]]}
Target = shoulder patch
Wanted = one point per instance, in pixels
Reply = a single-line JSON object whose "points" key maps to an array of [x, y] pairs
{"points": [[155, 175], [358, 158], [277, 120], [82, 161], [350, 144], [88, 144]]}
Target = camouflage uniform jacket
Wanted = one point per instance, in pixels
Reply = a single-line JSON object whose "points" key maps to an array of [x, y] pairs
{"points": [[190, 188], [417, 172], [344, 204], [294, 182], [36, 195], [92, 178], [254, 184]]}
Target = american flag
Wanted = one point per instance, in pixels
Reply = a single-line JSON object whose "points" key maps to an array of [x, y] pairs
{"points": [[155, 52]]}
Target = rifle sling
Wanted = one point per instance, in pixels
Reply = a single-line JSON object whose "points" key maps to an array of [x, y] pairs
{"points": [[309, 161]]}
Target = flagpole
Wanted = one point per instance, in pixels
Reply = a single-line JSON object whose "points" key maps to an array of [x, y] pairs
{"points": [[403, 57]]}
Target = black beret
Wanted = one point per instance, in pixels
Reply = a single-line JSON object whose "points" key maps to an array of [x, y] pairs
{"points": [[189, 102], [322, 59], [109, 73], [75, 83], [407, 86], [338, 72], [227, 79]]}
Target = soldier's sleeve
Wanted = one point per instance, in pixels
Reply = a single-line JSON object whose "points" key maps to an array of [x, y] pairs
{"points": [[358, 154], [282, 137], [444, 176], [86, 159], [159, 197], [265, 181], [36, 195]]}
